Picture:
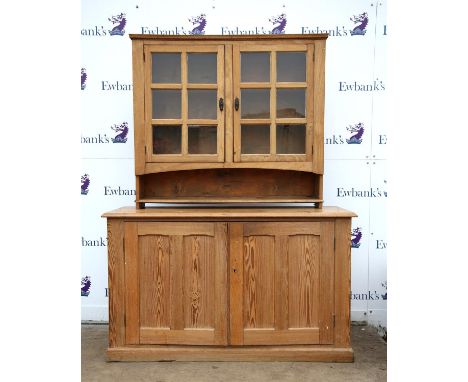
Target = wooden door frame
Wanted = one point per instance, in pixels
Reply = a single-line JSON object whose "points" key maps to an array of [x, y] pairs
{"points": [[273, 85], [134, 334], [324, 334], [184, 157]]}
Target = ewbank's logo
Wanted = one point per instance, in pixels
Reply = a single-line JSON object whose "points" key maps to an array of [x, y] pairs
{"points": [[200, 24], [341, 30], [356, 237], [384, 296], [85, 286], [119, 29], [121, 131], [279, 25], [84, 76], [119, 22], [357, 131], [84, 184], [362, 20], [281, 21]]}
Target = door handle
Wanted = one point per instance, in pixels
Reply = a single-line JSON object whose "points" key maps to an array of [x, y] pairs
{"points": [[236, 103], [221, 104]]}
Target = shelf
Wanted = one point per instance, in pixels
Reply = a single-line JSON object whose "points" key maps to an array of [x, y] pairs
{"points": [[231, 200]]}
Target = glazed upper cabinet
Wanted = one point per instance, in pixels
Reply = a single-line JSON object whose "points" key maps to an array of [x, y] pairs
{"points": [[273, 105], [228, 102], [184, 103]]}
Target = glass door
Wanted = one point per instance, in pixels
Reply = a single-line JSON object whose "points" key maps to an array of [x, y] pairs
{"points": [[273, 101], [184, 103]]}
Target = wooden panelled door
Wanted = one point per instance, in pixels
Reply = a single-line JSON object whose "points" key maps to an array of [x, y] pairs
{"points": [[176, 283], [281, 283]]}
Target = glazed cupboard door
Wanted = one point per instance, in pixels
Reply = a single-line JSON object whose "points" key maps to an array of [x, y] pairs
{"points": [[184, 103], [176, 283], [281, 283], [274, 102]]}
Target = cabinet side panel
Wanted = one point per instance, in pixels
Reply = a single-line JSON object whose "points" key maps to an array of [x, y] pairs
{"points": [[132, 293], [342, 282], [116, 282], [138, 106], [327, 283], [319, 105], [154, 281]]}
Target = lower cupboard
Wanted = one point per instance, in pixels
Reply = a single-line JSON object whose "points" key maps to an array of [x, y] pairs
{"points": [[229, 284]]}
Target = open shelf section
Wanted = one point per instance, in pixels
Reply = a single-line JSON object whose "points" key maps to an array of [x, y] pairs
{"points": [[244, 185]]}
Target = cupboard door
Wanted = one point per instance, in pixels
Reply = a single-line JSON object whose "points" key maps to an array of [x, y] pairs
{"points": [[274, 88], [184, 103], [176, 283], [281, 283]]}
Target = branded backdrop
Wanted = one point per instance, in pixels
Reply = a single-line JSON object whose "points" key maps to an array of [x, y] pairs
{"points": [[355, 132]]}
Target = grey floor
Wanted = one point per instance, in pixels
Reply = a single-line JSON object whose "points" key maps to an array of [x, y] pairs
{"points": [[369, 349]]}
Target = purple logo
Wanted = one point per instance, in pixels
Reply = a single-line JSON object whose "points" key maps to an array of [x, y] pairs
{"points": [[356, 237], [85, 285], [281, 21], [121, 21], [384, 296], [356, 133], [121, 131], [362, 21], [84, 184], [84, 76], [201, 21]]}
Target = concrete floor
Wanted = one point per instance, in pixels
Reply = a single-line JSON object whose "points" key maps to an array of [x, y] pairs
{"points": [[370, 354]]}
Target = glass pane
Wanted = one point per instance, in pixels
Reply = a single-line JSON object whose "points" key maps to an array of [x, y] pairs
{"points": [[166, 68], [202, 104], [166, 104], [291, 66], [290, 139], [255, 139], [255, 67], [290, 103], [202, 68], [255, 103], [202, 139], [167, 139]]}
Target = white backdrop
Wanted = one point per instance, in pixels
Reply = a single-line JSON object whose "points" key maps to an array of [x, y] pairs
{"points": [[355, 173]]}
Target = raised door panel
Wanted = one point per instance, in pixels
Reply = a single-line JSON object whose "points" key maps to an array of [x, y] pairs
{"points": [[281, 283], [176, 283]]}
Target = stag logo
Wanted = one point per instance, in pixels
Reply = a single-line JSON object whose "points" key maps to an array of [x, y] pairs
{"points": [[84, 76], [121, 131], [84, 184], [200, 24], [356, 133], [356, 237], [281, 21], [85, 286], [121, 21], [362, 21], [384, 285]]}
